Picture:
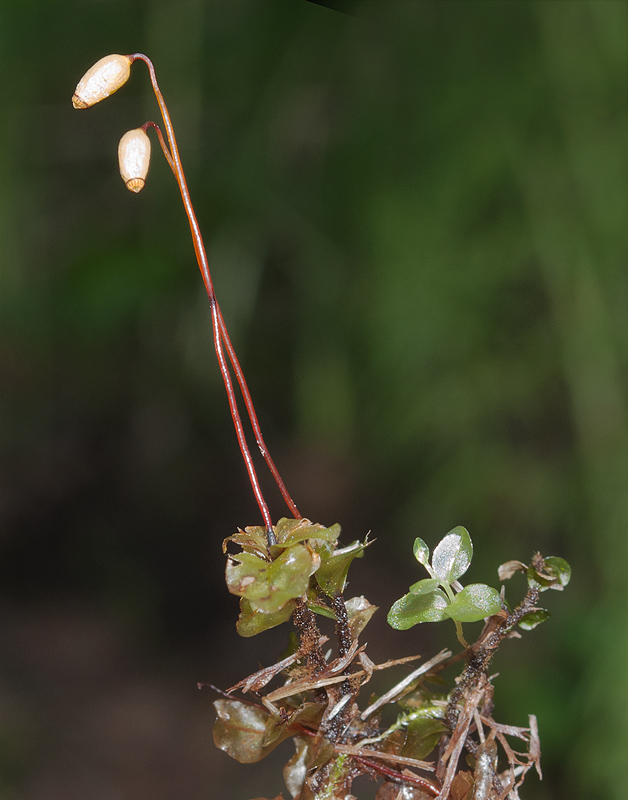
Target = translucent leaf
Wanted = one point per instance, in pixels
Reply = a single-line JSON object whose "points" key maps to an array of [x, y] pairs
{"points": [[419, 700], [248, 732], [251, 622], [534, 618], [316, 603], [421, 551], [556, 574], [320, 751], [424, 586], [268, 586], [462, 786], [452, 555], [422, 737], [331, 576], [251, 540], [243, 571], [291, 531], [559, 569], [296, 769], [359, 611], [280, 728], [287, 532], [474, 602], [508, 569], [414, 608], [240, 730]]}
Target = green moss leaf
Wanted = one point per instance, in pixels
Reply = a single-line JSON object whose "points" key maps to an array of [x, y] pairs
{"points": [[280, 728], [240, 730], [452, 555], [251, 622], [251, 540], [359, 611], [248, 732], [269, 585], [556, 574], [412, 609], [331, 576], [534, 618], [291, 531], [559, 569], [421, 551], [243, 571], [422, 737], [425, 586], [474, 602], [317, 604]]}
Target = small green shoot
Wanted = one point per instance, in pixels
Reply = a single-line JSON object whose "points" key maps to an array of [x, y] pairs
{"points": [[441, 596], [552, 572]]}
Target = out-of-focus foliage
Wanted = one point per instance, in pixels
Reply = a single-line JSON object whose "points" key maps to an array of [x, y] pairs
{"points": [[416, 213]]}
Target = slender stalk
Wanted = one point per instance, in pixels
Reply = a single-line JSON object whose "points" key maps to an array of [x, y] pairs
{"points": [[221, 335], [254, 421], [459, 633], [235, 363], [163, 144]]}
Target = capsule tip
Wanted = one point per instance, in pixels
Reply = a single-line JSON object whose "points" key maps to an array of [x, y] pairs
{"points": [[135, 184], [77, 102]]}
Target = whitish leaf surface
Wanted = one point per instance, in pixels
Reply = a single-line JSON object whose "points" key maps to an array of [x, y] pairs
{"points": [[452, 555], [412, 609], [474, 602]]}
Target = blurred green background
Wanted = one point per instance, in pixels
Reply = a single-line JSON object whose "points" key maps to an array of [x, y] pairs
{"points": [[416, 214]]}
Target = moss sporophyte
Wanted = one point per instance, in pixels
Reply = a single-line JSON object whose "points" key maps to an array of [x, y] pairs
{"points": [[426, 736]]}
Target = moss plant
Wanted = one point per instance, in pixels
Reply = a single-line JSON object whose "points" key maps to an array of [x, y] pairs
{"points": [[444, 741]]}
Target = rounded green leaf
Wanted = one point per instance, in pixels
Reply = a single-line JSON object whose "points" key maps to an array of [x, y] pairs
{"points": [[359, 612], [533, 619], [291, 531], [251, 622], [331, 576], [474, 602], [414, 608], [240, 730], [269, 585], [452, 555], [251, 540], [424, 586], [559, 569], [243, 571], [422, 737], [421, 551], [555, 574], [317, 604]]}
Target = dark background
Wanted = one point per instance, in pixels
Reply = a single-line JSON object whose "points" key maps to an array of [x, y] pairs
{"points": [[416, 217]]}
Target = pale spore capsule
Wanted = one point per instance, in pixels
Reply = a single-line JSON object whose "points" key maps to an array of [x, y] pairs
{"points": [[101, 80], [134, 158]]}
